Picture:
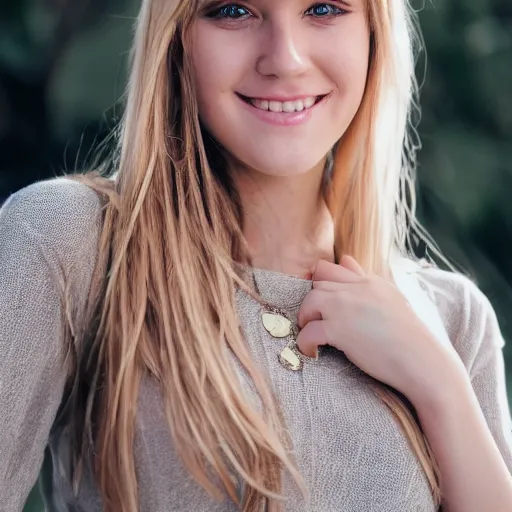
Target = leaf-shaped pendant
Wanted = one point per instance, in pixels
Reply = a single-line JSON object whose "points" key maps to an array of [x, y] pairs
{"points": [[277, 325], [290, 359]]}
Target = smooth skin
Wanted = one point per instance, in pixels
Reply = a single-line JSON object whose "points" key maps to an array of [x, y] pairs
{"points": [[281, 49], [295, 48]]}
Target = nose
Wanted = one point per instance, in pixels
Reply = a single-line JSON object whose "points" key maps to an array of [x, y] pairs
{"points": [[283, 51]]}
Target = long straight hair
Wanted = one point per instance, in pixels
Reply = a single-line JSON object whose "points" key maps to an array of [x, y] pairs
{"points": [[162, 303]]}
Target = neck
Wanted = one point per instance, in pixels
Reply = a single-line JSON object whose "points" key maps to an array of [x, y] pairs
{"points": [[287, 224]]}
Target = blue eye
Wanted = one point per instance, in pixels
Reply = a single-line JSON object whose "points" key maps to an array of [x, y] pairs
{"points": [[230, 11], [324, 10]]}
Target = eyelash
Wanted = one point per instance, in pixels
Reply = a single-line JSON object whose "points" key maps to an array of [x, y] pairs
{"points": [[233, 12]]}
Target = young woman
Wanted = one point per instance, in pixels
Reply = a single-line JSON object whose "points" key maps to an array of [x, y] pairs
{"points": [[160, 329]]}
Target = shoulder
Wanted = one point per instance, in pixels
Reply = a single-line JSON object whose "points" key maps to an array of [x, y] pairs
{"points": [[53, 206], [466, 312], [50, 233], [457, 296], [62, 215], [50, 236]]}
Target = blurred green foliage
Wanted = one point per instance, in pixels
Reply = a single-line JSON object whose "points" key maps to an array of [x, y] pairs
{"points": [[63, 69]]}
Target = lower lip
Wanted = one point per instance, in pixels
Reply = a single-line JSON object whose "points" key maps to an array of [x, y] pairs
{"points": [[281, 118]]}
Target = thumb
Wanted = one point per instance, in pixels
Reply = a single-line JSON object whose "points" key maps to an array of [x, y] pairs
{"points": [[311, 337], [351, 264]]}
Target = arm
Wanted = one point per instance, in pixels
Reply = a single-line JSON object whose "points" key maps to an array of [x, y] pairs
{"points": [[39, 231], [468, 423], [31, 359]]}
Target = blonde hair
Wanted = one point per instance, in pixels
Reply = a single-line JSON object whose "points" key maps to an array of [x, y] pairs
{"points": [[170, 251]]}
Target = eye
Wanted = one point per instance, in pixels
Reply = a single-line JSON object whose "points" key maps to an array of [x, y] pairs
{"points": [[325, 10], [230, 11]]}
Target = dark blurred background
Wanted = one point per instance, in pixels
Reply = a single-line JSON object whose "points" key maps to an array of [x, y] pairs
{"points": [[63, 70]]}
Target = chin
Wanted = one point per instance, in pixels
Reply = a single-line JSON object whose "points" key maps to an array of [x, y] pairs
{"points": [[282, 167], [279, 161]]}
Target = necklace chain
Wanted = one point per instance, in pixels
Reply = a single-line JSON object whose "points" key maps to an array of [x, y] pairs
{"points": [[279, 325]]}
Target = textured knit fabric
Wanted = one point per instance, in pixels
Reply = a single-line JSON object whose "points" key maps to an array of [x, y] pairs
{"points": [[348, 447]]}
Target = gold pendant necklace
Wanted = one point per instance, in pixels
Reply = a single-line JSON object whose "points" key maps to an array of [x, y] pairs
{"points": [[279, 326]]}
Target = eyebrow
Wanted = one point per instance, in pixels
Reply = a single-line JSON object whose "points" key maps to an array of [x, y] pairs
{"points": [[202, 3]]}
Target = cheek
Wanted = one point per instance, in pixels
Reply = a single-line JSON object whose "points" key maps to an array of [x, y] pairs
{"points": [[204, 71], [217, 66], [348, 61], [222, 62]]}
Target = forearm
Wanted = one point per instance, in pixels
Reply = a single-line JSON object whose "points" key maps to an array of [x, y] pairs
{"points": [[474, 476]]}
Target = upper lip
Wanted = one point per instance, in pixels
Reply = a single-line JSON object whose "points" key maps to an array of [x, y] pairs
{"points": [[281, 97]]}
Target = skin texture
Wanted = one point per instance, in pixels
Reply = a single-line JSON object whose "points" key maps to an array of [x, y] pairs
{"points": [[281, 49], [381, 334], [375, 338]]}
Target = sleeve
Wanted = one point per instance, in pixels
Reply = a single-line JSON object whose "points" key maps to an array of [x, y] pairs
{"points": [[472, 327], [33, 271], [487, 373]]}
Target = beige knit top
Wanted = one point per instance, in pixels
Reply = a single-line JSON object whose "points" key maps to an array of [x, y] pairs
{"points": [[348, 447]]}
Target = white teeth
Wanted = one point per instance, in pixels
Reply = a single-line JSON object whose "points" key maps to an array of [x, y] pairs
{"points": [[286, 106], [289, 106], [309, 102], [275, 106]]}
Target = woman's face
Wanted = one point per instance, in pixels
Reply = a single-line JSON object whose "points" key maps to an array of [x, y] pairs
{"points": [[279, 81]]}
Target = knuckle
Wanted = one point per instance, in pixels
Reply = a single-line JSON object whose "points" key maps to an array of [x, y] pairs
{"points": [[339, 296]]}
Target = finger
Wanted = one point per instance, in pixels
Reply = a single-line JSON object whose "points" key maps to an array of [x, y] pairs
{"points": [[327, 286], [311, 307], [327, 271], [311, 337], [351, 263]]}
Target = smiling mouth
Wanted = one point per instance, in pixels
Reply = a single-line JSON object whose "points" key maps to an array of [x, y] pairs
{"points": [[287, 107]]}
